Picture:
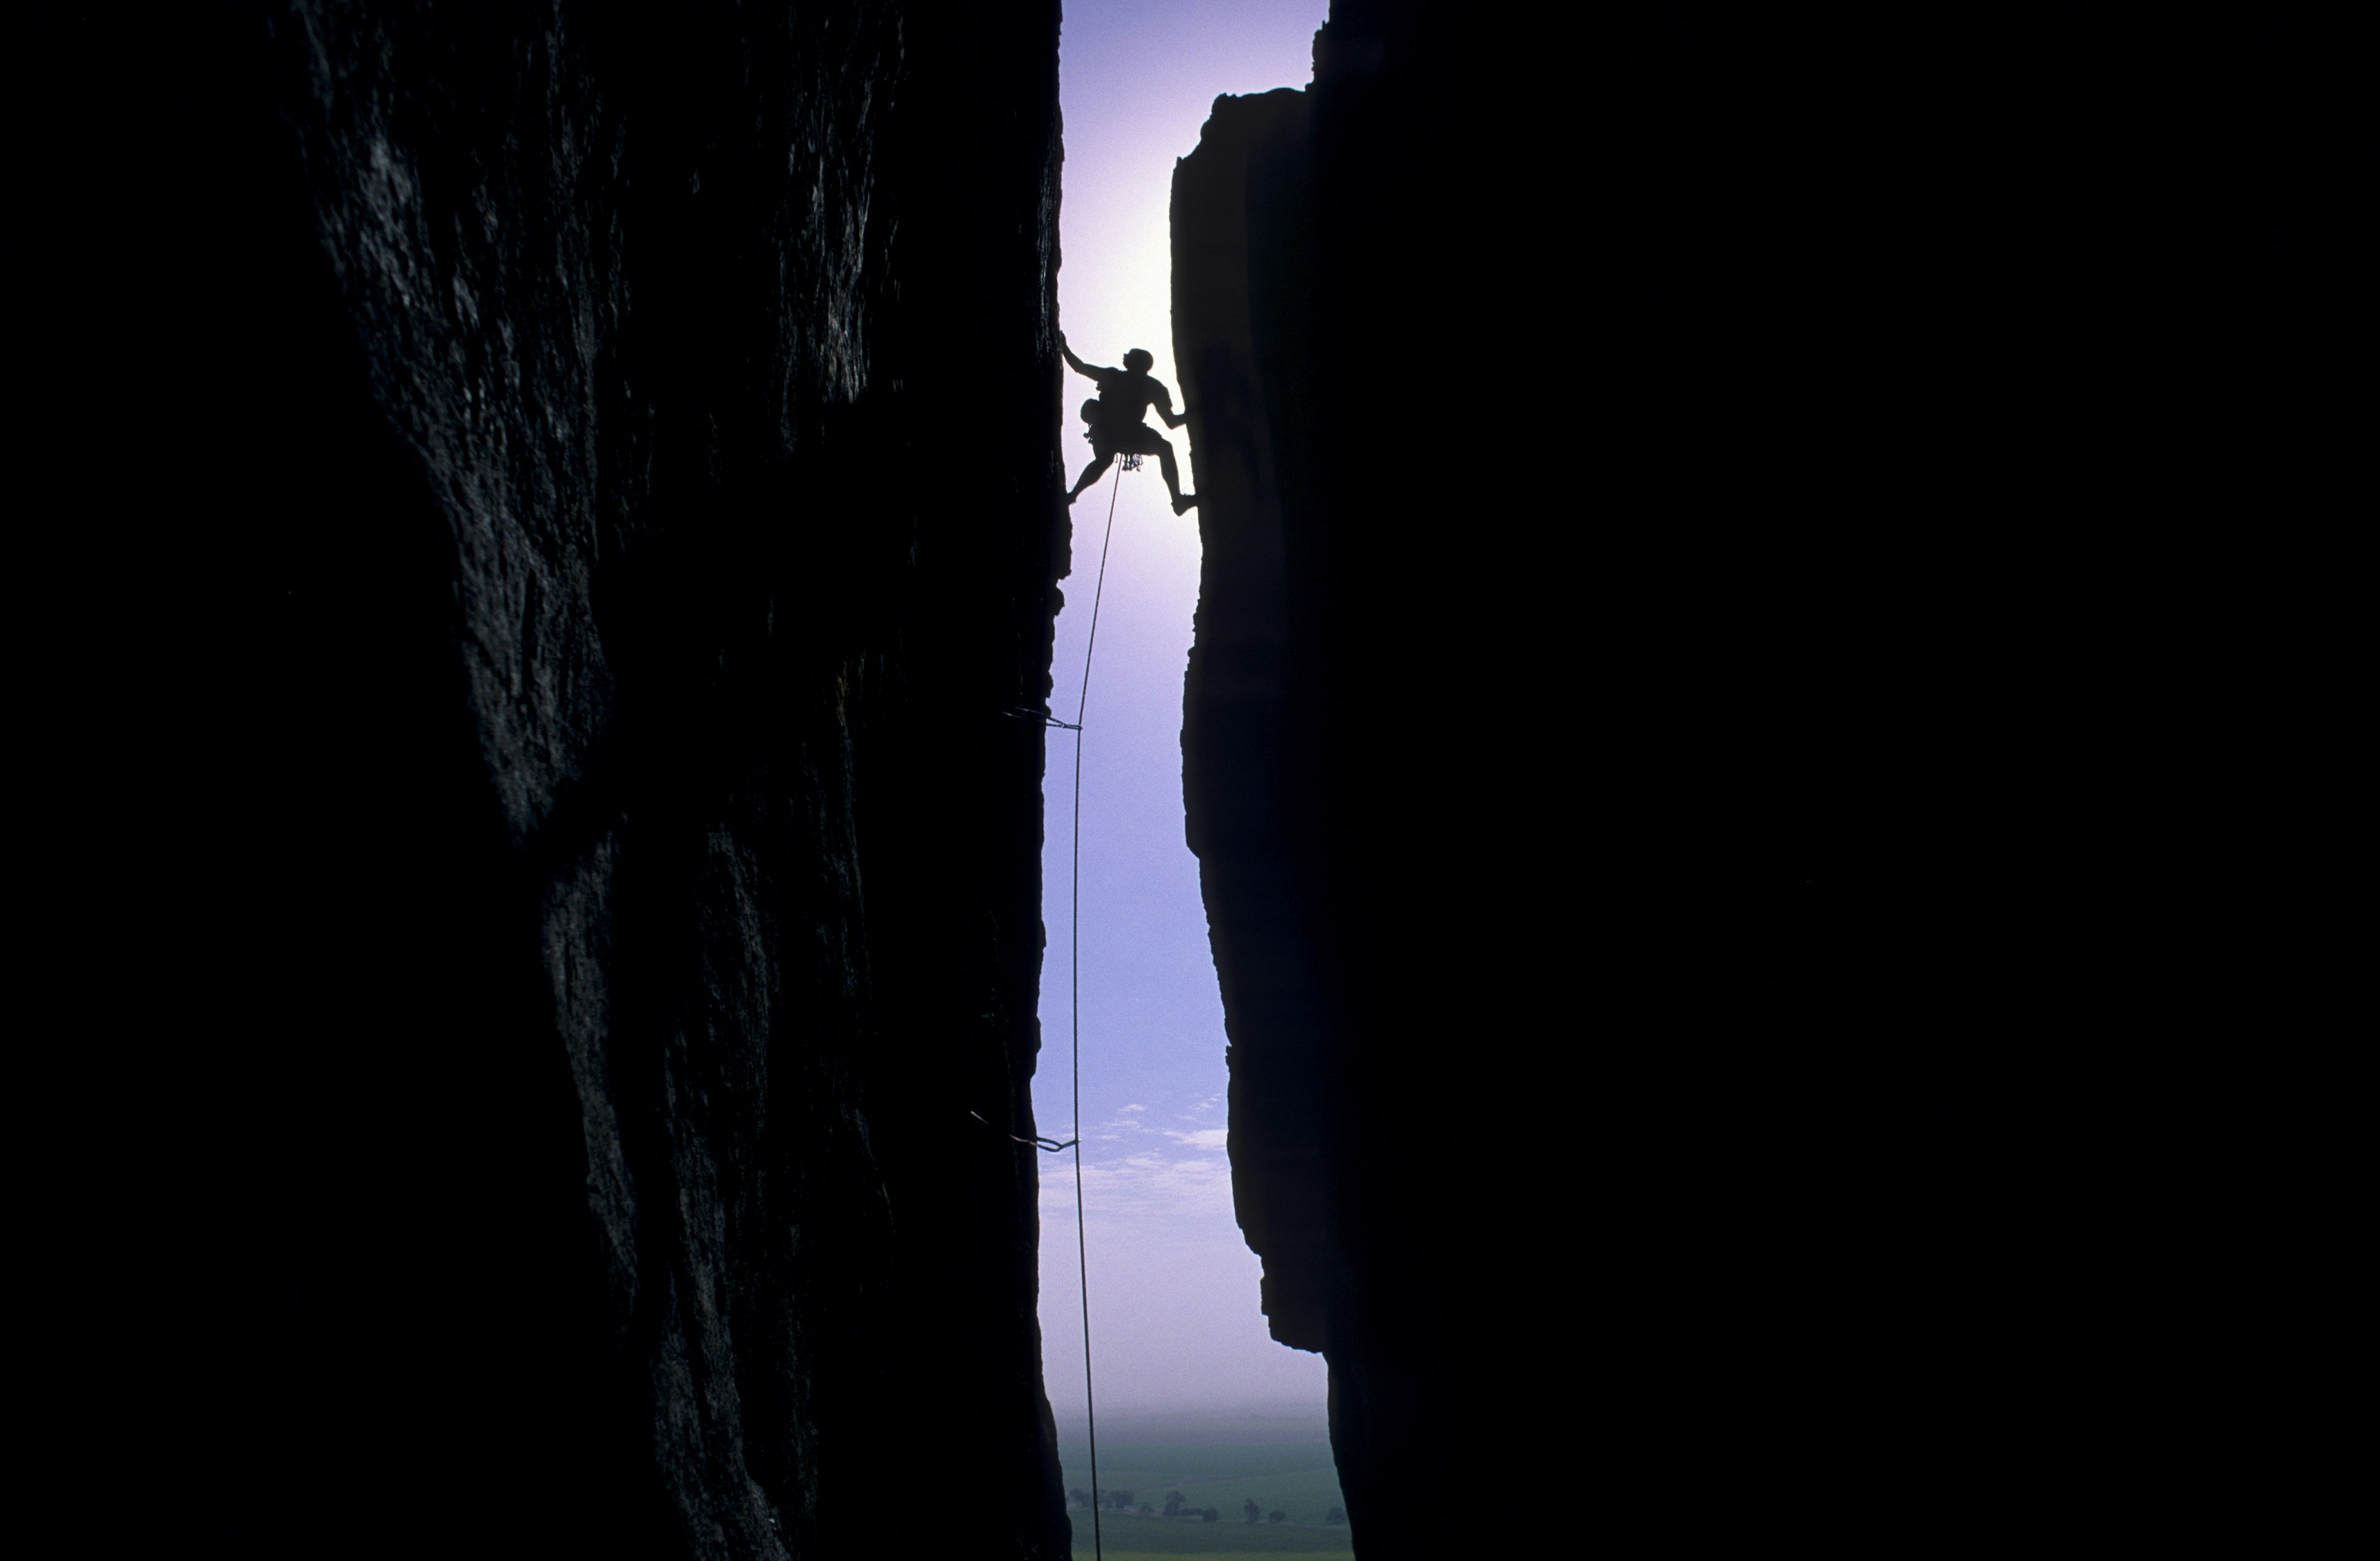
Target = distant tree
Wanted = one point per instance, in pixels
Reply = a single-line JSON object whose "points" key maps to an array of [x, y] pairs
{"points": [[1079, 1497], [1276, 1516], [1208, 1516], [1173, 1503], [1146, 1510], [1254, 1511], [1336, 1514], [1119, 1500]]}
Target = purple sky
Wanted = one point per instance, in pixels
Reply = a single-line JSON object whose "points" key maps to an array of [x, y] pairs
{"points": [[1173, 1288]]}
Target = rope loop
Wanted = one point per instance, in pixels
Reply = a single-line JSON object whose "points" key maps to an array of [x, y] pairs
{"points": [[1047, 1145]]}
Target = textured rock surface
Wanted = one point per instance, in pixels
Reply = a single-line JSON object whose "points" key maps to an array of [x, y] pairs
{"points": [[560, 499], [1685, 732]]}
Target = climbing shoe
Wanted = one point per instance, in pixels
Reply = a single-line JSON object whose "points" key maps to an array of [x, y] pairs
{"points": [[1184, 502]]}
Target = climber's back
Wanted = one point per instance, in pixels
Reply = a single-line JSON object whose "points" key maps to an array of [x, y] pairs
{"points": [[1126, 395]]}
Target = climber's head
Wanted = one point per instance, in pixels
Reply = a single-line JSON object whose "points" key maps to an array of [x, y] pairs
{"points": [[1138, 361]]}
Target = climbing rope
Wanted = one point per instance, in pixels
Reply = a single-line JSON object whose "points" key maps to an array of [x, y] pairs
{"points": [[1075, 978], [1075, 1011]]}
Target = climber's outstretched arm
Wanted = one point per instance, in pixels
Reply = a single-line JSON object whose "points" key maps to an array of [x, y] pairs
{"points": [[1165, 409], [1087, 370]]}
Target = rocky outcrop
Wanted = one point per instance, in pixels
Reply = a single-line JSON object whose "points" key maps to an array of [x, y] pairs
{"points": [[1677, 744], [1239, 739], [556, 502]]}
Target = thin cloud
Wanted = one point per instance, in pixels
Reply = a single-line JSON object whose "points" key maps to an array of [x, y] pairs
{"points": [[1147, 1195]]}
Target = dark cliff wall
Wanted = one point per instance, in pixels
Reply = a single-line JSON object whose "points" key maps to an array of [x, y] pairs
{"points": [[1242, 188], [540, 510], [1711, 630]]}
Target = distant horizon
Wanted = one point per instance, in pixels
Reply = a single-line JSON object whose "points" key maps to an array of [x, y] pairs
{"points": [[1299, 1414]]}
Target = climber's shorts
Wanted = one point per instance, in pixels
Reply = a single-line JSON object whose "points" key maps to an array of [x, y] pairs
{"points": [[1138, 440]]}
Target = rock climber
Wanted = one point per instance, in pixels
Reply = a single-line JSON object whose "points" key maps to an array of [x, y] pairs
{"points": [[1115, 428]]}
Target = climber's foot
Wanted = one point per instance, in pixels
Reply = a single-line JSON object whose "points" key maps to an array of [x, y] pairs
{"points": [[1184, 502], [1074, 495]]}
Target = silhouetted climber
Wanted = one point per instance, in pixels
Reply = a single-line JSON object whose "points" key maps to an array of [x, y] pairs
{"points": [[1116, 426]]}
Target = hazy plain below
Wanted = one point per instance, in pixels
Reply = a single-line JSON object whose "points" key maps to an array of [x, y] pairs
{"points": [[1277, 1457]]}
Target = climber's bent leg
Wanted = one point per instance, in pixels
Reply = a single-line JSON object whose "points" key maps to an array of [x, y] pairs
{"points": [[1091, 474], [1172, 477]]}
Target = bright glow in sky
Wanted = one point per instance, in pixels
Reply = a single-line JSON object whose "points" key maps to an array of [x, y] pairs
{"points": [[1175, 1314]]}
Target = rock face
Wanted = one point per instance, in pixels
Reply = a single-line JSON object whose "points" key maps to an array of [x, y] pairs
{"points": [[1683, 717], [557, 503]]}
